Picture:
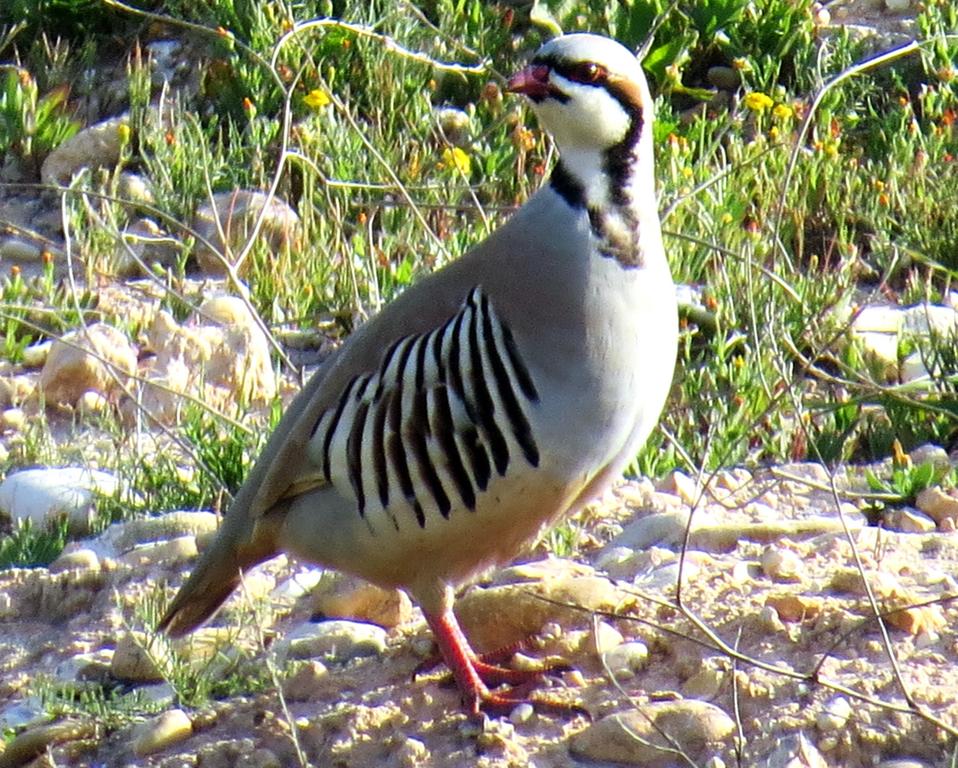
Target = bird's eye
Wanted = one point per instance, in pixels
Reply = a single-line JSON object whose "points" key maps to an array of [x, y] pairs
{"points": [[587, 72]]}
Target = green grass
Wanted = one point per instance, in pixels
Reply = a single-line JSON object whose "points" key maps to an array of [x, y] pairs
{"points": [[783, 230], [786, 216]]}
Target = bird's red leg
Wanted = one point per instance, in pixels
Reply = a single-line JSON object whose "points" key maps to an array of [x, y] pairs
{"points": [[474, 676]]}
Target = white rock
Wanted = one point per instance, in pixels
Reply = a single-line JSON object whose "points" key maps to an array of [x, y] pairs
{"points": [[883, 347], [305, 680], [75, 559], [339, 640], [160, 732], [923, 319], [93, 147], [14, 249], [412, 753], [122, 537], [71, 370], [634, 737], [297, 585], [626, 659], [23, 713], [522, 713], [794, 751], [43, 495], [908, 520], [912, 368], [879, 318], [937, 503], [660, 528], [604, 638], [929, 453], [221, 349], [235, 214], [834, 715], [898, 6], [13, 419], [36, 355], [781, 564], [340, 596]]}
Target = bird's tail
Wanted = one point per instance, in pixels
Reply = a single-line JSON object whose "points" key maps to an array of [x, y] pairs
{"points": [[218, 573]]}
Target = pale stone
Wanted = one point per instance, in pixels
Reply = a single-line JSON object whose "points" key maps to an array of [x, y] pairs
{"points": [[161, 552], [221, 348], [134, 188], [93, 147], [909, 520], [912, 368], [71, 369], [937, 503], [131, 663], [14, 249], [47, 494], [879, 318], [339, 596], [304, 681], [91, 403], [634, 737], [78, 559], [834, 715], [604, 638], [925, 319], [13, 419], [160, 732], [412, 753], [121, 537], [234, 214], [496, 617], [782, 565], [522, 713], [33, 742], [626, 659], [707, 682], [338, 640]]}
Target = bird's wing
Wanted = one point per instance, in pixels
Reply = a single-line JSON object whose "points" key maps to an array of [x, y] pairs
{"points": [[423, 428]]}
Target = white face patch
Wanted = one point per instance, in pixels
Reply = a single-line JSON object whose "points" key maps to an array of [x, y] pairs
{"points": [[591, 118]]}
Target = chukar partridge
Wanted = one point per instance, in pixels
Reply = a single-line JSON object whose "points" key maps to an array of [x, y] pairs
{"points": [[501, 392]]}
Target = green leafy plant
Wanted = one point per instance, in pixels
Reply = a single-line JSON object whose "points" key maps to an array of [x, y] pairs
{"points": [[32, 125]]}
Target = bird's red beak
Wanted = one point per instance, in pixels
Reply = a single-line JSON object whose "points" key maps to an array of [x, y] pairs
{"points": [[533, 81]]}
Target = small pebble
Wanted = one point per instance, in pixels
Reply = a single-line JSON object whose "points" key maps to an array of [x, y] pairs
{"points": [[161, 731], [834, 714], [522, 713], [626, 659]]}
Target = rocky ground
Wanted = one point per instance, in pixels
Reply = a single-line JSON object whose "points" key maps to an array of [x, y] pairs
{"points": [[769, 572], [775, 657]]}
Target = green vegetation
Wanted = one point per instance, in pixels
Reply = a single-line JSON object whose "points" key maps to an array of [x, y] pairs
{"points": [[788, 211], [791, 200]]}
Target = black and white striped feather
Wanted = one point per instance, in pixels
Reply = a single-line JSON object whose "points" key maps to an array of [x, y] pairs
{"points": [[426, 432]]}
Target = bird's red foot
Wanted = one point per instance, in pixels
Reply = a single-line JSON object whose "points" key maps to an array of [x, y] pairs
{"points": [[475, 675]]}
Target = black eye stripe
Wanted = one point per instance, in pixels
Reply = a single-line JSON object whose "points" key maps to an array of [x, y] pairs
{"points": [[584, 72]]}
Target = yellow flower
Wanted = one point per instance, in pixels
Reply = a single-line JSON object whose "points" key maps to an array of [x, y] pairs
{"points": [[123, 132], [782, 111], [316, 99], [758, 101], [454, 157]]}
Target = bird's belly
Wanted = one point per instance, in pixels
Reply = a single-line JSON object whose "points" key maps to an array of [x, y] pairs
{"points": [[391, 548]]}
